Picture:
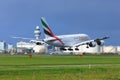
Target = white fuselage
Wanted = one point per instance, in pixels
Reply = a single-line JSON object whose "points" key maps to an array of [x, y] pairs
{"points": [[68, 40]]}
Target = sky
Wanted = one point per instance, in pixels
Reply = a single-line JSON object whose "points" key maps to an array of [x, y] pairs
{"points": [[96, 18]]}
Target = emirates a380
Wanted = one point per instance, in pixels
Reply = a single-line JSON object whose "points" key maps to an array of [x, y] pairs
{"points": [[71, 40]]}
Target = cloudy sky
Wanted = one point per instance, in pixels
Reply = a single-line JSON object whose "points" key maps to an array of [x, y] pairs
{"points": [[96, 18]]}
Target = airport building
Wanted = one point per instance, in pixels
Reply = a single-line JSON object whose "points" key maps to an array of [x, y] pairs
{"points": [[10, 47], [23, 44], [2, 46], [111, 49], [24, 47], [32, 47]]}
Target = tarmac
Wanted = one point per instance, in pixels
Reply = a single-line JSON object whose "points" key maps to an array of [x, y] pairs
{"points": [[58, 66]]}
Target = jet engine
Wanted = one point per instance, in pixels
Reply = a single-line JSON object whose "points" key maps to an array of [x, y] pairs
{"points": [[99, 42], [92, 44]]}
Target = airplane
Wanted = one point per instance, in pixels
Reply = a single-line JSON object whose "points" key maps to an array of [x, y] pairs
{"points": [[71, 40]]}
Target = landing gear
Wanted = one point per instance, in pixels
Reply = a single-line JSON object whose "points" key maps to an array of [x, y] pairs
{"points": [[70, 49], [87, 46], [63, 49], [76, 49]]}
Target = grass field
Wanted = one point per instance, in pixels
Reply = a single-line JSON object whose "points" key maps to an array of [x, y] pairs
{"points": [[41, 67]]}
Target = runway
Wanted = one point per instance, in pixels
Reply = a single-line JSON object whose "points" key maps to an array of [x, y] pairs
{"points": [[60, 66]]}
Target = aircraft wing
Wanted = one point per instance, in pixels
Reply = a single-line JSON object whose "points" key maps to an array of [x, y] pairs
{"points": [[31, 39], [83, 43], [99, 41], [23, 38]]}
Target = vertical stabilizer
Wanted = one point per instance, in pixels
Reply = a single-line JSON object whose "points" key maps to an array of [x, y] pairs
{"points": [[47, 30]]}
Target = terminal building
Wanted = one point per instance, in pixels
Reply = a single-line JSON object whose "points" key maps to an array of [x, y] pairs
{"points": [[111, 49], [32, 47], [2, 46], [24, 47]]}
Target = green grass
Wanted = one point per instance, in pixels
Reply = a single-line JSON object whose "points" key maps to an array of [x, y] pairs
{"points": [[57, 60], [21, 67]]}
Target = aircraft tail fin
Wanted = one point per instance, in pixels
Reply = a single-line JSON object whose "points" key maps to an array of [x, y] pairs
{"points": [[48, 32]]}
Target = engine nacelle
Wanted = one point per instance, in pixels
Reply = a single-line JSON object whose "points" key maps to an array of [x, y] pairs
{"points": [[38, 43], [92, 44], [100, 42]]}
